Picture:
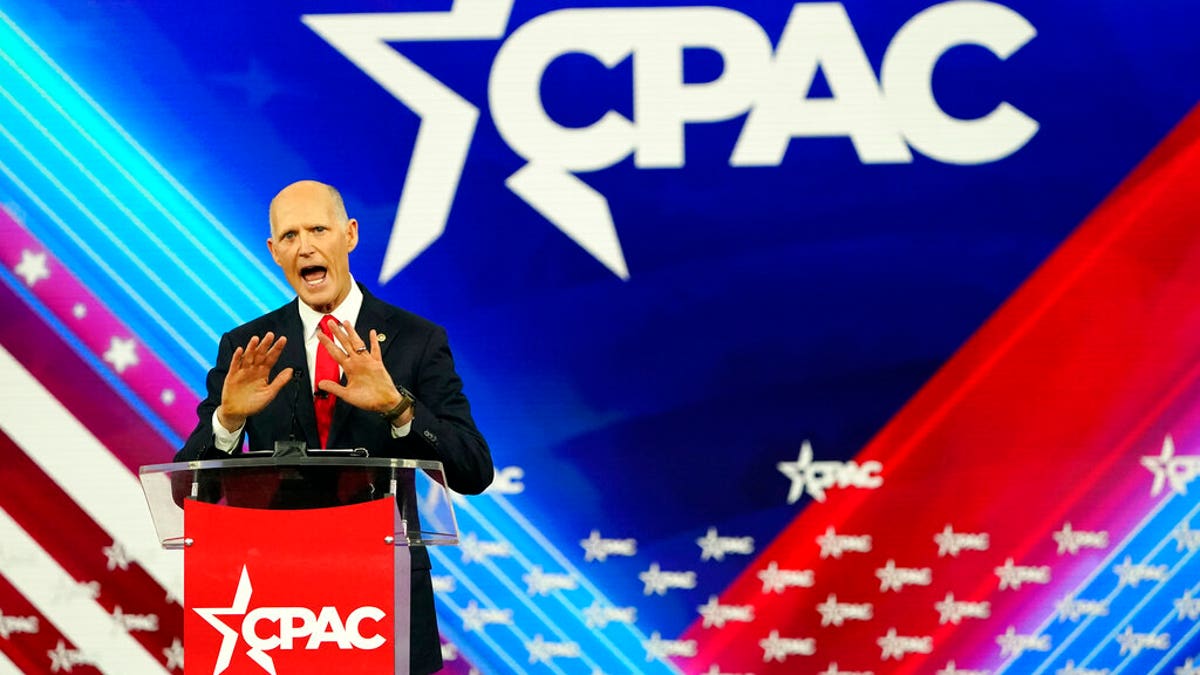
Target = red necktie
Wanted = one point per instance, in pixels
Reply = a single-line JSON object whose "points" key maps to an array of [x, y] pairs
{"points": [[326, 369]]}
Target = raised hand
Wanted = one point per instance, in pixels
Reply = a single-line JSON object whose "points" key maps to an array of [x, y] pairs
{"points": [[247, 389], [368, 386]]}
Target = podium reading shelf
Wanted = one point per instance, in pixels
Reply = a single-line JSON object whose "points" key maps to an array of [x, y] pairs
{"points": [[300, 564]]}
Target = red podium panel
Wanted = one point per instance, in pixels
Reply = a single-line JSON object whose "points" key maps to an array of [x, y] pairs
{"points": [[292, 592]]}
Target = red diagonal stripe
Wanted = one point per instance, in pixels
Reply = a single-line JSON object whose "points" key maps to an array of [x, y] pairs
{"points": [[1040, 418]]}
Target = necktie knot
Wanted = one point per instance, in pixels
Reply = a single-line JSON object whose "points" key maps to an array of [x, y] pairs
{"points": [[326, 325]]}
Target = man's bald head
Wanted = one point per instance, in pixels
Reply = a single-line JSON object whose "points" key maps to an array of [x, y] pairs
{"points": [[310, 189]]}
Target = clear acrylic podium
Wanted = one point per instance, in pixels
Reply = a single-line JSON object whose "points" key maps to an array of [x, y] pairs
{"points": [[300, 564]]}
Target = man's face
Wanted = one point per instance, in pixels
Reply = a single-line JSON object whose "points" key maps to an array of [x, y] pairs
{"points": [[312, 243]]}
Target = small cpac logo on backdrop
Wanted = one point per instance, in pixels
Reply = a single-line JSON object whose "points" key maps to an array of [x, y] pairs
{"points": [[1171, 469], [294, 624], [817, 477], [885, 116]]}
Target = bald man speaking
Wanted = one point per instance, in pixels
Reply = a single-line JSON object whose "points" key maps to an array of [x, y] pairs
{"points": [[398, 394]]}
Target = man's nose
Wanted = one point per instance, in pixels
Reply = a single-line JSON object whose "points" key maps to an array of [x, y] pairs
{"points": [[305, 244]]}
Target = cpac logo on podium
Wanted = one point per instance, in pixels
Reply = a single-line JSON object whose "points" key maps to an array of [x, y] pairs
{"points": [[885, 116], [266, 629]]}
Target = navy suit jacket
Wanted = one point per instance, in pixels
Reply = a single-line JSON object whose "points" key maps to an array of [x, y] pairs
{"points": [[417, 355]]}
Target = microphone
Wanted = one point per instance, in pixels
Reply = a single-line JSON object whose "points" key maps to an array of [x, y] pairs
{"points": [[293, 447]]}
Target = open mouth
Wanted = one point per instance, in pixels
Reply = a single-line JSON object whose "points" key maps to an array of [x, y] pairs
{"points": [[313, 275]]}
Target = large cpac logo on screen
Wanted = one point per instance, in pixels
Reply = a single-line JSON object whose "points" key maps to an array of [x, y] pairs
{"points": [[885, 117]]}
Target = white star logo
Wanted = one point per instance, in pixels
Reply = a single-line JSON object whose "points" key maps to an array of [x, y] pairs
{"points": [[1170, 469], [448, 123], [229, 636], [1065, 540], [797, 472], [121, 354], [830, 611], [32, 267], [65, 659], [771, 578], [711, 611], [890, 645], [1187, 607], [595, 615], [593, 547], [710, 546], [174, 655], [117, 557], [472, 617], [773, 648], [653, 581]]}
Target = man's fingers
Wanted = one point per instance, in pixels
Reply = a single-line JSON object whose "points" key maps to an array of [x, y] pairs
{"points": [[331, 387], [353, 342], [278, 344], [264, 345], [375, 351], [274, 353], [280, 381], [236, 362], [328, 345], [345, 337]]}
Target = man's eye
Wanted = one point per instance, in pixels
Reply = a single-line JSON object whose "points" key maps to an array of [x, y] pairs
{"points": [[319, 228]]}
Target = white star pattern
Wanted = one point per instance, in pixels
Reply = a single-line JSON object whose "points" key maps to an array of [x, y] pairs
{"points": [[32, 267], [596, 547], [716, 614], [777, 648], [709, 546], [772, 648], [174, 655], [1171, 469], [714, 547], [121, 354], [79, 311], [476, 618], [1187, 607], [63, 659], [775, 580], [117, 557], [658, 581], [167, 396]]}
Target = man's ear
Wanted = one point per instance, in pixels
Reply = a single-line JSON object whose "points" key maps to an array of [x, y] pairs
{"points": [[351, 234], [271, 248]]}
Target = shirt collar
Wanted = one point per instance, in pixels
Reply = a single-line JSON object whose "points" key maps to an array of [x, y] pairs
{"points": [[310, 318]]}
